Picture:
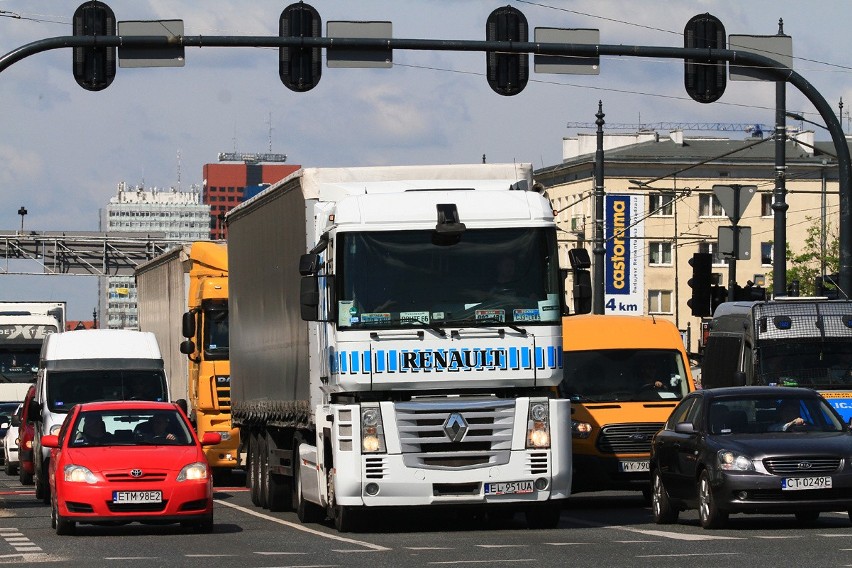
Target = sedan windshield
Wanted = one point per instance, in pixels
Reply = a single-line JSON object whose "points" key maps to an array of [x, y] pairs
{"points": [[759, 415], [130, 427]]}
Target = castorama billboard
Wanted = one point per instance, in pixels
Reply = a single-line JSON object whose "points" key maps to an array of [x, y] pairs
{"points": [[624, 260]]}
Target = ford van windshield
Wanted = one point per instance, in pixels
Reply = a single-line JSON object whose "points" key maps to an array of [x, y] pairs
{"points": [[67, 388]]}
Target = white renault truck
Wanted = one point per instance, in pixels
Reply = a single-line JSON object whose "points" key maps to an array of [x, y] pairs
{"points": [[396, 340]]}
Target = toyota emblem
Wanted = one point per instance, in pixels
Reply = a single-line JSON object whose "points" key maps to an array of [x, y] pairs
{"points": [[136, 472]]}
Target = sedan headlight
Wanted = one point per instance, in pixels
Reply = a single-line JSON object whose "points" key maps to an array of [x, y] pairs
{"points": [[197, 470], [79, 474], [732, 461]]}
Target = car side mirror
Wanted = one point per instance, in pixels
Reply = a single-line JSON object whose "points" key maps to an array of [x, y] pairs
{"points": [[211, 438], [684, 428], [50, 441]]}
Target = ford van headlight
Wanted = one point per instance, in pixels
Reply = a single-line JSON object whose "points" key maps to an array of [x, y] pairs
{"points": [[580, 430]]}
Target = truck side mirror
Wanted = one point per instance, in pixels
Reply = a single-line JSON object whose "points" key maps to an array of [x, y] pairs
{"points": [[188, 325], [309, 264], [309, 298], [187, 347]]}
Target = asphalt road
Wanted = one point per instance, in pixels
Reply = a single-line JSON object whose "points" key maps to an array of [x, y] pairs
{"points": [[597, 529]]}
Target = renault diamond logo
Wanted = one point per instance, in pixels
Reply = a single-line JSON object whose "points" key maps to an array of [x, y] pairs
{"points": [[455, 427], [136, 472]]}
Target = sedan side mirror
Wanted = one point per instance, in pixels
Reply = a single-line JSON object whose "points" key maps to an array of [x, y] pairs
{"points": [[685, 428]]}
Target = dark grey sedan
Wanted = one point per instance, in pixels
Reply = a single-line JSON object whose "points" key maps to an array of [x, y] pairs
{"points": [[751, 450]]}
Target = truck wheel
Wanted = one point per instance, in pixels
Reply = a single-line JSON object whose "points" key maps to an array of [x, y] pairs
{"points": [[545, 515], [306, 511], [277, 486], [263, 471], [254, 467], [346, 518]]}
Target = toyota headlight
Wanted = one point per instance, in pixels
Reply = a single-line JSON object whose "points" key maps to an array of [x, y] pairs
{"points": [[79, 474], [193, 471]]}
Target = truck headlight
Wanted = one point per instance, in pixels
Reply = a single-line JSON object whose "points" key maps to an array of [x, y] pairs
{"points": [[225, 435], [580, 430], [372, 432], [79, 474], [538, 425], [193, 471]]}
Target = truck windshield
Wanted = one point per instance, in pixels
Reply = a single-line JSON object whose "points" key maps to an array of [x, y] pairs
{"points": [[19, 365], [216, 330], [825, 365], [623, 375], [404, 278], [67, 388]]}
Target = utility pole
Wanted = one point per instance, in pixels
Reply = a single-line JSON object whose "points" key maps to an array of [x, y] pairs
{"points": [[779, 201], [599, 250]]}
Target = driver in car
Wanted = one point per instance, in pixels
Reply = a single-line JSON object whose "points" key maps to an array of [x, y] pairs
{"points": [[155, 429]]}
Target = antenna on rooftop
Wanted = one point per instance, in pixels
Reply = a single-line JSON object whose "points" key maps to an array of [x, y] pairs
{"points": [[269, 123]]}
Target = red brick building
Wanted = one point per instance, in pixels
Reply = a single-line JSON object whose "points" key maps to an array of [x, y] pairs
{"points": [[225, 186]]}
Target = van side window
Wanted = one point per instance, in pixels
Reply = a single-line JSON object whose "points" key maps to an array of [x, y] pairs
{"points": [[719, 366]]}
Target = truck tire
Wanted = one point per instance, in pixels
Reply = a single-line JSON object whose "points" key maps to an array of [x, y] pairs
{"points": [[277, 486], [346, 517], [254, 469], [263, 471]]}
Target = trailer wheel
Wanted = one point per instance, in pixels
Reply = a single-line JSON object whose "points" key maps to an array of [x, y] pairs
{"points": [[263, 470], [276, 487], [254, 467]]}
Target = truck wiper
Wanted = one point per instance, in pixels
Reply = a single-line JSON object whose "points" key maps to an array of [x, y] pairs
{"points": [[482, 322], [413, 323]]}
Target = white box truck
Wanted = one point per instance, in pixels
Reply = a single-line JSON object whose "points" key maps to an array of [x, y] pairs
{"points": [[396, 340], [86, 366], [23, 328]]}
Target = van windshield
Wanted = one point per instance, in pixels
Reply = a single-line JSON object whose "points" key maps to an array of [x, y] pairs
{"points": [[67, 388], [826, 365], [624, 375]]}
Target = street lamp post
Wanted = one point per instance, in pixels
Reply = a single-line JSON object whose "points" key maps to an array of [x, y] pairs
{"points": [[22, 211]]}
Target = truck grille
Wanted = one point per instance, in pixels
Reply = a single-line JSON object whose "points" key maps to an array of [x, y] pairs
{"points": [[223, 397], [627, 438], [455, 434], [802, 465]]}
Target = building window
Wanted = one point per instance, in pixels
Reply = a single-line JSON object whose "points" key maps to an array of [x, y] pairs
{"points": [[766, 204], [661, 204], [709, 206], [660, 301], [712, 248], [660, 253], [766, 254]]}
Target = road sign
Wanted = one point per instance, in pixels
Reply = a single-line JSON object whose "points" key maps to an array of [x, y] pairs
{"points": [[567, 64], [337, 57], [726, 242], [734, 199], [171, 56], [777, 47]]}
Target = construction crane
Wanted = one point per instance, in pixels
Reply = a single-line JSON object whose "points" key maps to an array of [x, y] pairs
{"points": [[755, 129]]}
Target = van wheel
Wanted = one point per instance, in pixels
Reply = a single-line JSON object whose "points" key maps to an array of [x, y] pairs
{"points": [[9, 468]]}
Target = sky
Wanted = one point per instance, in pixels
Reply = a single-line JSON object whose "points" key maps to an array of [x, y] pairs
{"points": [[64, 150]]}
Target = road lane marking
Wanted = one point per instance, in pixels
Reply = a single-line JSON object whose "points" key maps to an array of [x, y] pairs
{"points": [[303, 528], [429, 548], [512, 560], [687, 554], [17, 540], [650, 532]]}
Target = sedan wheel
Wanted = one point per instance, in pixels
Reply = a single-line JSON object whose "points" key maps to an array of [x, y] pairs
{"points": [[664, 513], [708, 512]]}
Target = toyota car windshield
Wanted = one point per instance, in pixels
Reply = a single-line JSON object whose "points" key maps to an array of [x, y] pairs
{"points": [[409, 278]]}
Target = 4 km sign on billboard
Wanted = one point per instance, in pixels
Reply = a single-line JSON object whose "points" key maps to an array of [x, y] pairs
{"points": [[624, 259]]}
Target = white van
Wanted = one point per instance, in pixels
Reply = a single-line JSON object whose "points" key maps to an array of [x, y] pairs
{"points": [[87, 366]]}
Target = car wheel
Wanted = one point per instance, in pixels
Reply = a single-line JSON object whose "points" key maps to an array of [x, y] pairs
{"points": [[306, 511], [53, 513], [807, 516], [205, 526], [708, 511], [9, 468], [24, 477], [664, 513], [544, 515], [64, 526]]}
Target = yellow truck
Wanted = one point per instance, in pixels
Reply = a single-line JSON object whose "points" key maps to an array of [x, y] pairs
{"points": [[183, 299], [623, 375]]}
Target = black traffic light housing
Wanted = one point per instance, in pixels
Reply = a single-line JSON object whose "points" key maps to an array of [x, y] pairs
{"points": [[699, 303], [300, 68], [580, 264], [507, 73], [94, 67], [705, 80], [718, 295]]}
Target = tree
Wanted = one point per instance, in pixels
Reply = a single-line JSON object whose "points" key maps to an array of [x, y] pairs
{"points": [[806, 266]]}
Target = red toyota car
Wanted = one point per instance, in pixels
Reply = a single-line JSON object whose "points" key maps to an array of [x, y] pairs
{"points": [[129, 461]]}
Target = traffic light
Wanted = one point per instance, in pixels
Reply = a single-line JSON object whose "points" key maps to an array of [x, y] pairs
{"points": [[507, 73], [704, 79], [94, 67], [718, 295], [300, 68], [793, 288], [580, 264], [699, 303]]}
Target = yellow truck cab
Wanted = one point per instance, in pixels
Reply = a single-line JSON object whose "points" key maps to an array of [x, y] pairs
{"points": [[624, 375]]}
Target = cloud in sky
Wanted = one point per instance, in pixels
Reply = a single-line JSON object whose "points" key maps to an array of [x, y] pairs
{"points": [[63, 150]]}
